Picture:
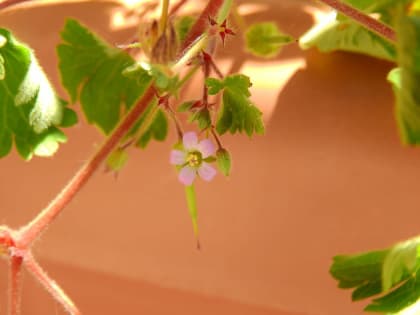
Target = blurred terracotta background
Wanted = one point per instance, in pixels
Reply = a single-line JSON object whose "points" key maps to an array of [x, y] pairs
{"points": [[329, 177]]}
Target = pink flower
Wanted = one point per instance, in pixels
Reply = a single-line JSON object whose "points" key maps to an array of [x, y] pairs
{"points": [[193, 159]]}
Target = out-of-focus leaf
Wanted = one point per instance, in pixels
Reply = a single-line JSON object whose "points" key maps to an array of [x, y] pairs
{"points": [[337, 32], [30, 111], [400, 260], [265, 39], [398, 299], [157, 129], [406, 79]]}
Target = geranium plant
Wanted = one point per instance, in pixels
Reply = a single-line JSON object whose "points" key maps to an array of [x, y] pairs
{"points": [[131, 93]]}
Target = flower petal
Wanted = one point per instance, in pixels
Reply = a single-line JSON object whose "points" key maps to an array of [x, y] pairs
{"points": [[187, 175], [177, 157], [190, 140], [206, 147], [206, 172]]}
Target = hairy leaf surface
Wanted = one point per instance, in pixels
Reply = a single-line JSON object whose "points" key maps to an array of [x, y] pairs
{"points": [[30, 110]]}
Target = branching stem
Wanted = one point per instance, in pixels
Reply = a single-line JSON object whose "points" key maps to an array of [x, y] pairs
{"points": [[32, 230], [50, 285], [362, 18], [15, 284]]}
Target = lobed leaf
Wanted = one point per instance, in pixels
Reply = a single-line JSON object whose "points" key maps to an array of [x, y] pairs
{"points": [[237, 113], [391, 273], [30, 110], [92, 73], [400, 261], [398, 299]]}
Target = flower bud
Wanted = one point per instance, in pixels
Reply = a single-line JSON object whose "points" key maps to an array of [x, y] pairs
{"points": [[224, 161]]}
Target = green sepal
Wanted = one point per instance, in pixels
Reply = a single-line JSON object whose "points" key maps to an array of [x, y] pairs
{"points": [[192, 208]]}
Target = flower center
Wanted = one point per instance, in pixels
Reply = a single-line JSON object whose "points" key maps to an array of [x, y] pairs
{"points": [[194, 158]]}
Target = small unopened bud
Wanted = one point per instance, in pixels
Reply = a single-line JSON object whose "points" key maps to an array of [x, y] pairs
{"points": [[173, 42], [224, 161], [154, 30], [159, 52], [117, 160]]}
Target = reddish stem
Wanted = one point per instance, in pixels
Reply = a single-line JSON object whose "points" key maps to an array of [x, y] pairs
{"points": [[50, 285], [32, 230], [364, 19], [201, 24], [177, 6], [8, 3], [15, 284]]}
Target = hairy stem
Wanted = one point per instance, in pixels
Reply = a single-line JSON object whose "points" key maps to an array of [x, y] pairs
{"points": [[163, 17], [201, 24], [362, 18], [50, 285], [7, 3], [15, 284], [34, 228]]}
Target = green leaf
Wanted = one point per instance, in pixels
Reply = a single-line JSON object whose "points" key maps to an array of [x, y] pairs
{"points": [[157, 129], [367, 290], [238, 113], [400, 260], [214, 85], [266, 40], [224, 161], [183, 26], [202, 117], [390, 272], [358, 268], [337, 32], [192, 208], [92, 72], [69, 118], [394, 77], [30, 111], [185, 107], [406, 79], [2, 68], [398, 299], [347, 35]]}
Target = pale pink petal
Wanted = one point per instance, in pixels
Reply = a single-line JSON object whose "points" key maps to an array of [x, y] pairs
{"points": [[177, 157], [190, 140], [206, 172], [206, 147], [187, 175]]}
